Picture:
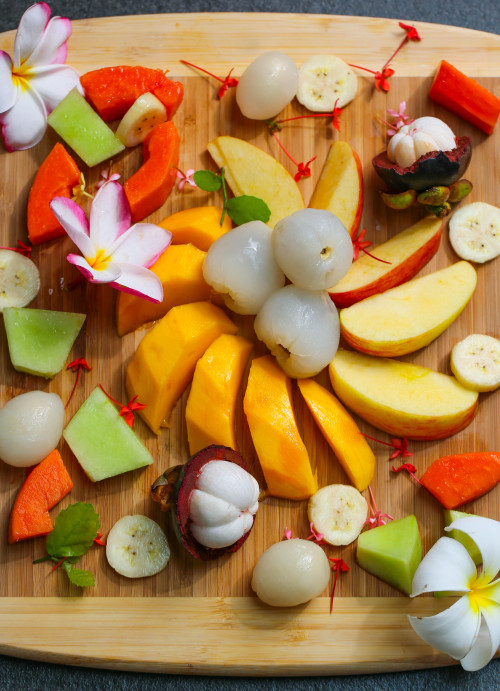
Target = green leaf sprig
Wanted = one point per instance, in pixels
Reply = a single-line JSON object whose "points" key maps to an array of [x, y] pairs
{"points": [[241, 209], [75, 530]]}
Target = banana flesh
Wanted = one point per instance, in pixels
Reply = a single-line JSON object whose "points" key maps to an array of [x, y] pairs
{"points": [[19, 280], [475, 362], [144, 114], [474, 232], [338, 512], [136, 546], [326, 81]]}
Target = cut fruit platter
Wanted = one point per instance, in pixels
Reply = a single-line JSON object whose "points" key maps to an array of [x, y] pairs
{"points": [[203, 617]]}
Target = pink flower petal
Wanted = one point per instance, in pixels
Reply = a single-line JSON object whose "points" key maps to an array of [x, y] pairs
{"points": [[109, 215], [142, 244], [53, 83], [25, 123], [30, 31], [8, 92], [107, 275], [52, 45], [74, 222], [139, 281]]}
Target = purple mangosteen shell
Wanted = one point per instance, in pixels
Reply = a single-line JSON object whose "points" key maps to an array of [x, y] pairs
{"points": [[433, 168], [185, 484]]}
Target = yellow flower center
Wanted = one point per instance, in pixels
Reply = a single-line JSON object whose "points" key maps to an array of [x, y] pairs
{"points": [[100, 261]]}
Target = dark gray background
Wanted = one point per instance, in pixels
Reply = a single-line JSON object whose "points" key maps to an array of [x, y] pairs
{"points": [[23, 675]]}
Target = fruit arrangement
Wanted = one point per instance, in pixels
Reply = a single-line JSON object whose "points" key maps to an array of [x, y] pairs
{"points": [[202, 377]]}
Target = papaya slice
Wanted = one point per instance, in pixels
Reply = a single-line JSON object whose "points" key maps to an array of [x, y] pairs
{"points": [[56, 177], [150, 186], [112, 90], [44, 487]]}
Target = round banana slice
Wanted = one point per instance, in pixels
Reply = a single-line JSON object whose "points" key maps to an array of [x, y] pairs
{"points": [[136, 546], [322, 80], [475, 362], [144, 114], [474, 232], [338, 512], [19, 280]]}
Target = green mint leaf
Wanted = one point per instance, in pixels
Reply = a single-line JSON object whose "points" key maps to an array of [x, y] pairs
{"points": [[79, 577], [207, 181], [245, 208], [74, 531]]}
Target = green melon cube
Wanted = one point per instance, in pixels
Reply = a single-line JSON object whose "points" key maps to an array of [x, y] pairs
{"points": [[392, 552], [102, 441], [40, 340], [467, 542], [84, 130]]}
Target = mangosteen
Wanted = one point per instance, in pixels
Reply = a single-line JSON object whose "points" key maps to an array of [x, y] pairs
{"points": [[423, 154], [212, 500]]}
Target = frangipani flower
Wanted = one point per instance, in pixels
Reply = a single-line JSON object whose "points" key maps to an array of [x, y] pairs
{"points": [[469, 630], [36, 80], [113, 251]]}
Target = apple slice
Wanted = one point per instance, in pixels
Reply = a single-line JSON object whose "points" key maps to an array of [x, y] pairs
{"points": [[249, 170], [340, 186], [400, 398], [392, 552], [410, 316], [407, 252]]}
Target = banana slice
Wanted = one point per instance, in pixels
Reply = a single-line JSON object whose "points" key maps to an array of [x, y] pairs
{"points": [[475, 362], [474, 232], [19, 280], [322, 80], [140, 118], [136, 546], [338, 512]]}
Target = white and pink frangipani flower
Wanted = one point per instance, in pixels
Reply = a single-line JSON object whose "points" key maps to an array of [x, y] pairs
{"points": [[36, 79], [469, 630], [113, 251]]}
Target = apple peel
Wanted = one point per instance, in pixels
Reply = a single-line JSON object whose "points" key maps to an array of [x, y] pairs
{"points": [[113, 251], [469, 630], [36, 80]]}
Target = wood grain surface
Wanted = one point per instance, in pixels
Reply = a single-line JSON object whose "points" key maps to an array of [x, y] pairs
{"points": [[211, 605]]}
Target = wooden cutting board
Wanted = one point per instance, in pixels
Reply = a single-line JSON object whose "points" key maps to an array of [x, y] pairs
{"points": [[203, 618]]}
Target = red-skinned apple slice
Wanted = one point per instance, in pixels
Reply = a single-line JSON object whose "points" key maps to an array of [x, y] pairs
{"points": [[407, 252], [340, 186]]}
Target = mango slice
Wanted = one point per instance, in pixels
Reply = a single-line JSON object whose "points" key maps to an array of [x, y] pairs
{"points": [[341, 432], [211, 406], [271, 418], [199, 226], [165, 360], [180, 270]]}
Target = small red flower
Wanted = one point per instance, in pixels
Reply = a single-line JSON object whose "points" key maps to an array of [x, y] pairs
{"points": [[376, 517], [359, 245], [77, 366], [410, 469], [126, 411], [411, 33], [338, 566], [227, 83], [22, 248], [381, 79], [303, 170]]}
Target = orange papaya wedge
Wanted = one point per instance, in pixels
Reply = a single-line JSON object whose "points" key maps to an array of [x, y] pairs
{"points": [[44, 487], [56, 177], [150, 186]]}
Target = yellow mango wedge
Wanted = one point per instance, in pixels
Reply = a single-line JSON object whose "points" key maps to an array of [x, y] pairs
{"points": [[401, 398], [211, 406], [164, 362], [341, 432], [410, 316], [180, 270], [199, 226], [249, 170], [271, 418]]}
